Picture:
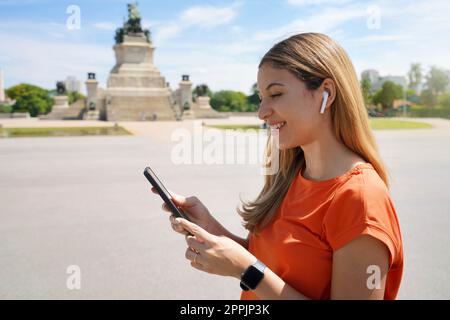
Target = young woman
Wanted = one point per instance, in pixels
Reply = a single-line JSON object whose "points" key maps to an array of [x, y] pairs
{"points": [[324, 226]]}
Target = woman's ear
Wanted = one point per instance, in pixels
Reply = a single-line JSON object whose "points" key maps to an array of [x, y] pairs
{"points": [[329, 86]]}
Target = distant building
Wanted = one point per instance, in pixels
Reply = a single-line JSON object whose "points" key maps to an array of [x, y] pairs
{"points": [[377, 81], [372, 75], [73, 84]]}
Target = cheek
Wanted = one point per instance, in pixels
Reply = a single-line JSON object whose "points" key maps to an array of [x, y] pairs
{"points": [[303, 126]]}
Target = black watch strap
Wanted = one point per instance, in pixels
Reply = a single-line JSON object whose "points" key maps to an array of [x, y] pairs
{"points": [[251, 277]]}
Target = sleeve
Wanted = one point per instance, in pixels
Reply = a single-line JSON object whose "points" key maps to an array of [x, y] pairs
{"points": [[362, 209]]}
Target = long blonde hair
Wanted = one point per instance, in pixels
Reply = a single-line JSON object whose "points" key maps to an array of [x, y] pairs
{"points": [[313, 57]]}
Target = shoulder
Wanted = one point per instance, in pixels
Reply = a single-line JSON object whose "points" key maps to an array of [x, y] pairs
{"points": [[362, 200], [361, 205], [363, 188]]}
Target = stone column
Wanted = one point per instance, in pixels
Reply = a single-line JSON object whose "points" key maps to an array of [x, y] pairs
{"points": [[185, 92], [2, 90], [91, 88]]}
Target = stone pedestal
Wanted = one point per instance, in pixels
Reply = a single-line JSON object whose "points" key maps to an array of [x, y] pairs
{"points": [[61, 109], [203, 103], [136, 90], [203, 110], [61, 102], [91, 115]]}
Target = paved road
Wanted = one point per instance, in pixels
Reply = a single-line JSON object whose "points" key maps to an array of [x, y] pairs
{"points": [[83, 201]]}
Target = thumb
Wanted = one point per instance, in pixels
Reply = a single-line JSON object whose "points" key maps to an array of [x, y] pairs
{"points": [[195, 230], [180, 200]]}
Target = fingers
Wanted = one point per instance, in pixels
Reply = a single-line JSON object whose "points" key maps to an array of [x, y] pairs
{"points": [[179, 200], [176, 226], [195, 244], [183, 201], [195, 230], [165, 207], [194, 257]]}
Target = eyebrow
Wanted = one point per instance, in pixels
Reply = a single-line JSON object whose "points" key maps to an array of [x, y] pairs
{"points": [[271, 85], [274, 84]]}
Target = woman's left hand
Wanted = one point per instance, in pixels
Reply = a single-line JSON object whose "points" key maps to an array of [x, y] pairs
{"points": [[215, 254]]}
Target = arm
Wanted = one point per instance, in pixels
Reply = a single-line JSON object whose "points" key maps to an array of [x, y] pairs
{"points": [[353, 269], [350, 277]]}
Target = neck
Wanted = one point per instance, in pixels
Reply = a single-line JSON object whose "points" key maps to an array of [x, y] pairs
{"points": [[327, 158]]}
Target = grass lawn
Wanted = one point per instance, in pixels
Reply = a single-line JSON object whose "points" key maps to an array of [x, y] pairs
{"points": [[377, 124], [62, 132], [382, 124]]}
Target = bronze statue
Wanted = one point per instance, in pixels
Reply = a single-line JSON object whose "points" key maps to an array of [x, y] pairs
{"points": [[132, 26], [61, 88]]}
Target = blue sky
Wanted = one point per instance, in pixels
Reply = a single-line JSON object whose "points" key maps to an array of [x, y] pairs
{"points": [[217, 42]]}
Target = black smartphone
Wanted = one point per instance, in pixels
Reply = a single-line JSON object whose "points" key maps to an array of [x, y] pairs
{"points": [[164, 194]]}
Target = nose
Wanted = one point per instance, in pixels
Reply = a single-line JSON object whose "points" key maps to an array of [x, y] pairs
{"points": [[264, 112]]}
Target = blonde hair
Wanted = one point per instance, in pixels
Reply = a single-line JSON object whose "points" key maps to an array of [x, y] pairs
{"points": [[313, 57]]}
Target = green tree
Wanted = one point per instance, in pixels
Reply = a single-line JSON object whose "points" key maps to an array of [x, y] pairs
{"points": [[227, 100], [437, 81], [387, 94], [75, 96], [366, 86], [5, 108], [30, 98], [444, 100], [426, 97], [254, 97], [415, 76]]}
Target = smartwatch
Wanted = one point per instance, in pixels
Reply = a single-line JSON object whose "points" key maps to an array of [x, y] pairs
{"points": [[251, 277]]}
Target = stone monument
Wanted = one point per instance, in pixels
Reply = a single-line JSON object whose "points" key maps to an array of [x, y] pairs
{"points": [[61, 99], [135, 89]]}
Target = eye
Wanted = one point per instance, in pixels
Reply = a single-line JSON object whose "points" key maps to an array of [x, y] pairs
{"points": [[276, 95]]}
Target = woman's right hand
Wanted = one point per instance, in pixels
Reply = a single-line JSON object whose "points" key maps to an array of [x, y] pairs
{"points": [[196, 212]]}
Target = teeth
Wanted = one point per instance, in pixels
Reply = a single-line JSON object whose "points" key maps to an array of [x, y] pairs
{"points": [[278, 125]]}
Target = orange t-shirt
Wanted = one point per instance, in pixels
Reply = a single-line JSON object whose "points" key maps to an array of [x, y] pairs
{"points": [[317, 218]]}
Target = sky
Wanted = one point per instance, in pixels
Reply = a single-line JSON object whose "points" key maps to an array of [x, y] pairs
{"points": [[218, 43]]}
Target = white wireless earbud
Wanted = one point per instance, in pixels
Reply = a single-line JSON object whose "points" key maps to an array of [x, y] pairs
{"points": [[324, 101]]}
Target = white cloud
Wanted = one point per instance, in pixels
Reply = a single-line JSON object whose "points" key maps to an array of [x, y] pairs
{"points": [[43, 62], [167, 31], [198, 16], [384, 38], [208, 16], [302, 3], [324, 21], [150, 24]]}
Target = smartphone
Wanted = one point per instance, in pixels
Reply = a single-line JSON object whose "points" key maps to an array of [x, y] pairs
{"points": [[164, 194]]}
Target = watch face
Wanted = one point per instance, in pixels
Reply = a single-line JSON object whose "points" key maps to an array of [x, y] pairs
{"points": [[252, 276], [244, 287]]}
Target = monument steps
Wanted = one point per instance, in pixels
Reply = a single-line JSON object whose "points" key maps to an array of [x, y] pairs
{"points": [[74, 112]]}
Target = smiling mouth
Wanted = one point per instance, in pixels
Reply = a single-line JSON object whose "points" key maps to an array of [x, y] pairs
{"points": [[278, 125]]}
